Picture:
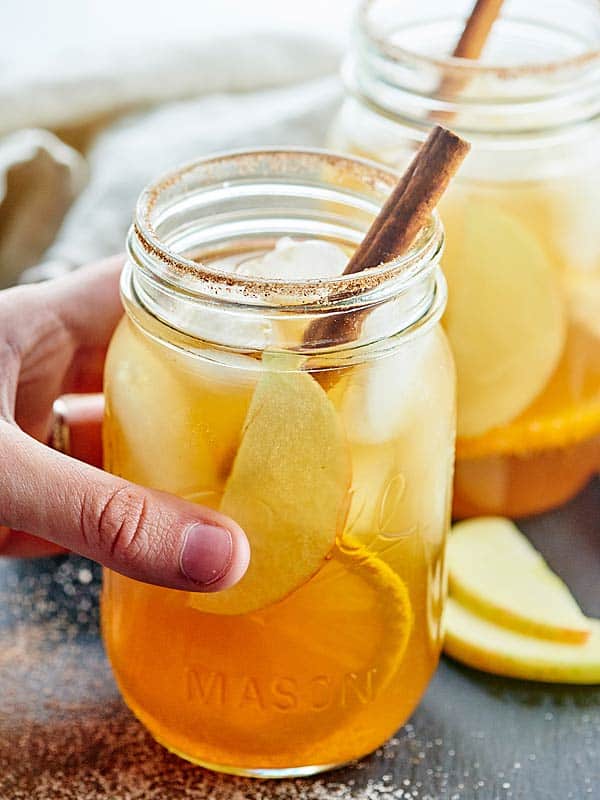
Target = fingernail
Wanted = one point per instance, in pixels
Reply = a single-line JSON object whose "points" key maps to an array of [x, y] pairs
{"points": [[207, 554]]}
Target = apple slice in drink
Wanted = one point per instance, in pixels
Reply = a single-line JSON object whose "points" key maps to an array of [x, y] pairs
{"points": [[288, 489], [505, 316], [495, 572], [583, 293], [480, 643], [173, 420], [155, 431]]}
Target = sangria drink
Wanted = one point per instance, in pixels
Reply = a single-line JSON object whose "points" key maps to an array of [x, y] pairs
{"points": [[523, 244], [336, 460]]}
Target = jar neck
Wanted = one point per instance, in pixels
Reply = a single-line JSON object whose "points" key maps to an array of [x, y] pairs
{"points": [[244, 202], [395, 66]]}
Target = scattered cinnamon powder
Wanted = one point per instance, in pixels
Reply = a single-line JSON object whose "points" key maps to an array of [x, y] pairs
{"points": [[65, 734]]}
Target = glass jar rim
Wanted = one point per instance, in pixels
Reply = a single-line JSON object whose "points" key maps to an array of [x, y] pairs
{"points": [[146, 246], [465, 67]]}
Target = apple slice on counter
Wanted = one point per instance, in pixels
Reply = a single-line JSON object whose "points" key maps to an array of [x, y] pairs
{"points": [[482, 644], [495, 572], [288, 489]]}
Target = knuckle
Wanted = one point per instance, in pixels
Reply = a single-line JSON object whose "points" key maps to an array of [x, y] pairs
{"points": [[10, 363], [11, 315], [121, 523]]}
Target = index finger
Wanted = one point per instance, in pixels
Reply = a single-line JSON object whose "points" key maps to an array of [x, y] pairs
{"points": [[87, 301]]}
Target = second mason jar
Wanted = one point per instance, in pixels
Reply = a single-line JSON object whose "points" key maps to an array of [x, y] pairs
{"points": [[523, 242], [232, 381]]}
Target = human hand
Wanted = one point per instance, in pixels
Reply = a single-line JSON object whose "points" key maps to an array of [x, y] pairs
{"points": [[53, 339]]}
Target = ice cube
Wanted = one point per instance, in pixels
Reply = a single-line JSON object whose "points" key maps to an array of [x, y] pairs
{"points": [[387, 395], [255, 330], [296, 260], [293, 260], [223, 327]]}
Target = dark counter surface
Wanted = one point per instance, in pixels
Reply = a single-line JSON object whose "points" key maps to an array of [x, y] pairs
{"points": [[65, 734]]}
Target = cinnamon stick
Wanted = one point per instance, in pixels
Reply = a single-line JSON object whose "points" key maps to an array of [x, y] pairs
{"points": [[477, 29], [470, 45], [410, 204], [395, 228]]}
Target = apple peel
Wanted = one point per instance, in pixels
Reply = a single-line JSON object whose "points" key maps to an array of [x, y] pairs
{"points": [[288, 489], [479, 643], [495, 572]]}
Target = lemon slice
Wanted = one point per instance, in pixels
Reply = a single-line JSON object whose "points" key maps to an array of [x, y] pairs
{"points": [[288, 489], [494, 571], [481, 644], [389, 602], [321, 656], [353, 620], [505, 317], [362, 604]]}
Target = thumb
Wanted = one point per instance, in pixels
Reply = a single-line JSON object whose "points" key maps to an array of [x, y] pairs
{"points": [[145, 534]]}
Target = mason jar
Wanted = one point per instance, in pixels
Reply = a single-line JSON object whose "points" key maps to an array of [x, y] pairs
{"points": [[333, 452], [523, 241]]}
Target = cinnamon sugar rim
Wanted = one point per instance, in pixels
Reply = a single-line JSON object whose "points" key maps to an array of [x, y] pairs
{"points": [[465, 67], [400, 272]]}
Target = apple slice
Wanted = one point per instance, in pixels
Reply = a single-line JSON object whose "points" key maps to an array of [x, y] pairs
{"points": [[288, 489], [505, 317], [479, 643], [583, 293], [494, 571], [154, 430], [173, 420]]}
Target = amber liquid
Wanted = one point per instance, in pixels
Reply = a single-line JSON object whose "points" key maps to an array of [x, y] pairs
{"points": [[329, 672]]}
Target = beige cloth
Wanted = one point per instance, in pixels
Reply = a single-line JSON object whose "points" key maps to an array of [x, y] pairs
{"points": [[135, 115], [39, 179]]}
